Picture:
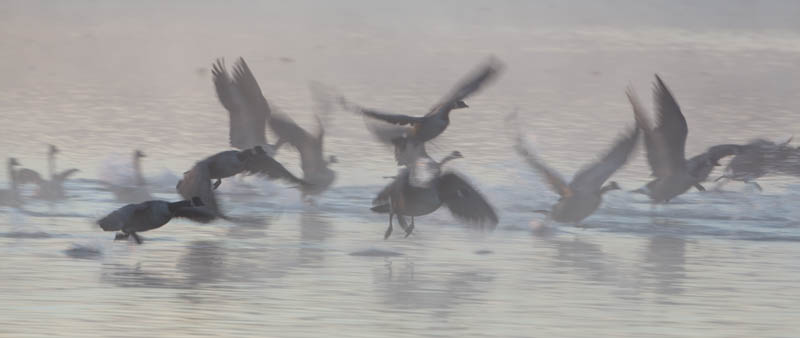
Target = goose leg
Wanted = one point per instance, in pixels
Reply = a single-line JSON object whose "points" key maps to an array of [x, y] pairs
{"points": [[403, 224], [410, 228], [699, 187], [137, 238], [217, 183], [389, 229], [756, 185]]}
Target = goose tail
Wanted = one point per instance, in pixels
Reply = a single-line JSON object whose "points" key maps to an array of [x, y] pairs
{"points": [[381, 208], [110, 222]]}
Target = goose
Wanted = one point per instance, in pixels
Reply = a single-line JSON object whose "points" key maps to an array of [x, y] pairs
{"points": [[316, 171], [11, 197], [583, 195], [197, 181], [410, 197], [136, 193], [398, 130], [248, 110], [755, 159], [139, 217], [666, 143]]}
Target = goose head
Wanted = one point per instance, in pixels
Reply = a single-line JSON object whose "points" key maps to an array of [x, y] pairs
{"points": [[138, 154], [460, 104], [332, 159], [52, 150], [12, 162]]}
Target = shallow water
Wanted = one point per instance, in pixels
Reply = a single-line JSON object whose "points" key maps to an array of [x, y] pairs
{"points": [[100, 79]]}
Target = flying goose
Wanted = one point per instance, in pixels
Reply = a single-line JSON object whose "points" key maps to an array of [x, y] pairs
{"points": [[398, 130], [138, 191], [756, 159], [10, 197], [584, 194], [666, 143], [139, 217], [197, 181], [248, 110], [402, 198], [310, 146]]}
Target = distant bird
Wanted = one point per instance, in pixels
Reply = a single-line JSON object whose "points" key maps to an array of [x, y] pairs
{"points": [[758, 158], [398, 130], [248, 110], [197, 181], [584, 194], [51, 189], [11, 197], [140, 217], [666, 143], [137, 192], [407, 196]]}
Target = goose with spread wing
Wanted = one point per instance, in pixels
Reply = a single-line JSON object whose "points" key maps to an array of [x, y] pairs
{"points": [[758, 158], [409, 196], [398, 130], [316, 171], [666, 147], [134, 218], [197, 181], [584, 194], [48, 189], [248, 110]]}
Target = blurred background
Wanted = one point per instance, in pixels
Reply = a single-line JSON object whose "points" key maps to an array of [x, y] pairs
{"points": [[102, 78]]}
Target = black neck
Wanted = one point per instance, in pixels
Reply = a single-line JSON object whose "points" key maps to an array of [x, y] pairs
{"points": [[178, 205]]}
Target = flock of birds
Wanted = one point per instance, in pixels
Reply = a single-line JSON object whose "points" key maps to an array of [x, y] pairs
{"points": [[422, 185]]}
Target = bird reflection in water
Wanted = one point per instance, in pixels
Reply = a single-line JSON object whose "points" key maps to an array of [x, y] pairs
{"points": [[402, 287], [665, 263], [315, 228]]}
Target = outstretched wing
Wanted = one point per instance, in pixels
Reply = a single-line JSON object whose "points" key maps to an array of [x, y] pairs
{"points": [[465, 202], [473, 82], [657, 151], [197, 182], [670, 123], [309, 146], [264, 165], [558, 184], [62, 176], [25, 176], [591, 177], [248, 110]]}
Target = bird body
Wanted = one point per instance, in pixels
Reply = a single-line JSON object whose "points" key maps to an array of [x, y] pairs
{"points": [[400, 130], [666, 143], [197, 181], [149, 215], [403, 197], [584, 194], [138, 192]]}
